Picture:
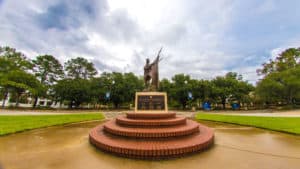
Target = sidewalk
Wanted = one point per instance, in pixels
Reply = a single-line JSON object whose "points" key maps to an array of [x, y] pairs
{"points": [[271, 113], [189, 114]]}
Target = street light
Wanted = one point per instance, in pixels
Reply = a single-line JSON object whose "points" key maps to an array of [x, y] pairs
{"points": [[108, 93], [189, 93]]}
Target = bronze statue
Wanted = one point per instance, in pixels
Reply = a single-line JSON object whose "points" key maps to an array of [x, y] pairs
{"points": [[151, 77]]}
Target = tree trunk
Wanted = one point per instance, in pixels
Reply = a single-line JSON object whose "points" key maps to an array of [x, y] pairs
{"points": [[35, 101], [224, 103], [77, 105], [116, 105], [70, 104], [4, 99], [60, 103], [17, 100]]}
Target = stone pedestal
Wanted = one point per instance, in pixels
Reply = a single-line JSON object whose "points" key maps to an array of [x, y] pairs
{"points": [[151, 102]]}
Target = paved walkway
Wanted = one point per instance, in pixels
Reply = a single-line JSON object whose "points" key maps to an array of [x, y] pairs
{"points": [[188, 114], [108, 114], [272, 113], [236, 147]]}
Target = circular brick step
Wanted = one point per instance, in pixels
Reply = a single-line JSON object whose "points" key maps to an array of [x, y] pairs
{"points": [[151, 149], [155, 132], [122, 120], [133, 115]]}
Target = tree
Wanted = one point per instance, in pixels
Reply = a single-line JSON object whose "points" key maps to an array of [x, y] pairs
{"points": [[205, 90], [269, 90], [18, 82], [80, 68], [122, 87], [281, 86], [290, 79], [48, 70], [201, 90], [281, 79], [290, 58], [223, 88], [132, 84], [165, 86], [6, 65], [75, 91], [242, 91], [14, 60], [99, 86], [180, 89], [102, 85], [231, 87], [12, 63]]}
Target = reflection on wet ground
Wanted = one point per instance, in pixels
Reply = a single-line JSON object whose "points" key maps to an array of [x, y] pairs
{"points": [[64, 147]]}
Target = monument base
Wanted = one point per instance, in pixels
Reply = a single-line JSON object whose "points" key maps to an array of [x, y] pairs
{"points": [[151, 136], [151, 132], [151, 102]]}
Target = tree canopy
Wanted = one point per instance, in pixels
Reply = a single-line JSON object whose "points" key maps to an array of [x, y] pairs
{"points": [[76, 83], [13, 60], [80, 68], [289, 58], [47, 69], [74, 91], [18, 82], [231, 87], [281, 81]]}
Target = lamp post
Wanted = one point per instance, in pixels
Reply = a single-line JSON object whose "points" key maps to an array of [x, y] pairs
{"points": [[108, 93], [189, 93]]}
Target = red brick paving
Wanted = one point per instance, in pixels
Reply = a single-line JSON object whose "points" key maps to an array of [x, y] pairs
{"points": [[155, 132], [122, 120], [133, 115], [152, 143]]}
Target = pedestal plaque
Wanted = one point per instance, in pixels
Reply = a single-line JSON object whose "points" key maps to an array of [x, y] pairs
{"points": [[151, 102]]}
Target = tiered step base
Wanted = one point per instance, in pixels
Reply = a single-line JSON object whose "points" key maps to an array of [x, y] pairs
{"points": [[150, 122], [150, 115], [172, 131], [149, 137]]}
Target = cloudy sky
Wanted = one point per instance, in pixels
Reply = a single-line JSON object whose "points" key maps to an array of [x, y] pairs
{"points": [[201, 38]]}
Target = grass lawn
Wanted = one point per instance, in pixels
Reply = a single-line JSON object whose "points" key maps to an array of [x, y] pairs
{"points": [[283, 124], [12, 124]]}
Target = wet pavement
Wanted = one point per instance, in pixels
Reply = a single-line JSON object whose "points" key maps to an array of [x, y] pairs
{"points": [[64, 147]]}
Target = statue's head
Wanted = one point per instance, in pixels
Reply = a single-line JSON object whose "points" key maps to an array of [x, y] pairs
{"points": [[147, 61]]}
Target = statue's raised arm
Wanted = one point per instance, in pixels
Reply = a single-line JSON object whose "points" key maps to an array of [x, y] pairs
{"points": [[158, 59], [151, 73]]}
